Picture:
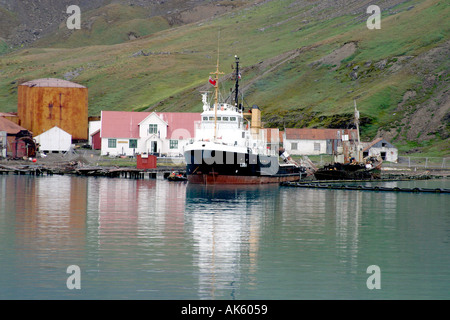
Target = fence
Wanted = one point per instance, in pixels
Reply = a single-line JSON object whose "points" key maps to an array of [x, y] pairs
{"points": [[403, 162], [421, 162], [412, 162]]}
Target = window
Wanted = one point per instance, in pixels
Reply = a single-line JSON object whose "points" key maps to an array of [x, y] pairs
{"points": [[232, 118], [211, 118], [132, 143], [173, 144], [225, 118], [219, 118], [293, 145], [112, 143], [152, 128], [316, 146], [205, 118]]}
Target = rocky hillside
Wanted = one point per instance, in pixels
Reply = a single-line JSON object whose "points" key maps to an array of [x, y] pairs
{"points": [[23, 22], [304, 62]]}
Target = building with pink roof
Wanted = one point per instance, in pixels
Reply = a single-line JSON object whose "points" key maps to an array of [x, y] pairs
{"points": [[306, 141], [161, 133]]}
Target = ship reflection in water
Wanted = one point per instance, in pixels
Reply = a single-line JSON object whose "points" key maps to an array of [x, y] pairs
{"points": [[270, 239], [154, 239], [225, 223]]}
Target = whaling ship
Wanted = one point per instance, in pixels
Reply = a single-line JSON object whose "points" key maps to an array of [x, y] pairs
{"points": [[231, 147], [349, 163]]}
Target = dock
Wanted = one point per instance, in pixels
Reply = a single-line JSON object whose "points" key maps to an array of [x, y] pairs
{"points": [[340, 186], [88, 171]]}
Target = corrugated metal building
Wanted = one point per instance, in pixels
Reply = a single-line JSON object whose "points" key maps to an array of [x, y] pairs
{"points": [[45, 103], [305, 141], [19, 141]]}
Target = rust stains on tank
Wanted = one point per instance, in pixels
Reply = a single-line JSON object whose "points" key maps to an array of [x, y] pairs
{"points": [[49, 102]]}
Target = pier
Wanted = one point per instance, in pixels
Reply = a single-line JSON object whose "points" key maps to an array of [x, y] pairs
{"points": [[164, 171], [340, 186], [112, 172]]}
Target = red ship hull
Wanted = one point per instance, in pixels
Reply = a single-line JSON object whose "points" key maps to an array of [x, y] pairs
{"points": [[234, 179]]}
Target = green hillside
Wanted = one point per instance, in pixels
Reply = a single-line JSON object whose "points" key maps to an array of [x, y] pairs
{"points": [[304, 62], [111, 24]]}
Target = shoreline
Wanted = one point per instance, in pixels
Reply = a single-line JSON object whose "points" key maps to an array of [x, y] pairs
{"points": [[75, 167]]}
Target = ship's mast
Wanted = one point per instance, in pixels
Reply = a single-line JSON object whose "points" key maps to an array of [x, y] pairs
{"points": [[216, 87], [236, 89], [358, 146]]}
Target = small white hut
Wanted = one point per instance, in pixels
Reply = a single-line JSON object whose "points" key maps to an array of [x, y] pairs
{"points": [[386, 150], [54, 140]]}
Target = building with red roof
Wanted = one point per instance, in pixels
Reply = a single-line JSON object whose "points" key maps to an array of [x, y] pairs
{"points": [[306, 141], [16, 140], [160, 133]]}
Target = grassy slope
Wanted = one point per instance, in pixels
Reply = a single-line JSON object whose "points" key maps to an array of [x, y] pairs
{"points": [[107, 25], [295, 93]]}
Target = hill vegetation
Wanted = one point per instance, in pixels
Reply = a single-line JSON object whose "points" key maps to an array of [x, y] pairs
{"points": [[304, 63]]}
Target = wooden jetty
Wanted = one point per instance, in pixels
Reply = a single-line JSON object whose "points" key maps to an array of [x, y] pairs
{"points": [[93, 171]]}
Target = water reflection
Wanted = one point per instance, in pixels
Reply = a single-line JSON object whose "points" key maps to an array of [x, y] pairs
{"points": [[225, 223], [156, 239], [48, 215]]}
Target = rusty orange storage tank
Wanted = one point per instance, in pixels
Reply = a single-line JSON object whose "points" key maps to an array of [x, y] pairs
{"points": [[45, 103]]}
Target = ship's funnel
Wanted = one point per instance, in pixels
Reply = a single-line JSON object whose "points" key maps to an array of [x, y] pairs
{"points": [[256, 119]]}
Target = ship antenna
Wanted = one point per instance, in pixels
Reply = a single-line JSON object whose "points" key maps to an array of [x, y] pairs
{"points": [[216, 87]]}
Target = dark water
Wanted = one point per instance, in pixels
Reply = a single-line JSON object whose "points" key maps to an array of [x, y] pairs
{"points": [[153, 239]]}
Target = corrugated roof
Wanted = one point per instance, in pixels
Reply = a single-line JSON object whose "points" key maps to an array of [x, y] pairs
{"points": [[125, 124], [179, 120], [52, 82], [8, 114], [9, 126], [51, 131], [121, 124], [371, 144], [318, 134]]}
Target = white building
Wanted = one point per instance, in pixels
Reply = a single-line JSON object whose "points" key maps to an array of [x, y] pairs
{"points": [[130, 133], [307, 141], [94, 126], [54, 140], [386, 150]]}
